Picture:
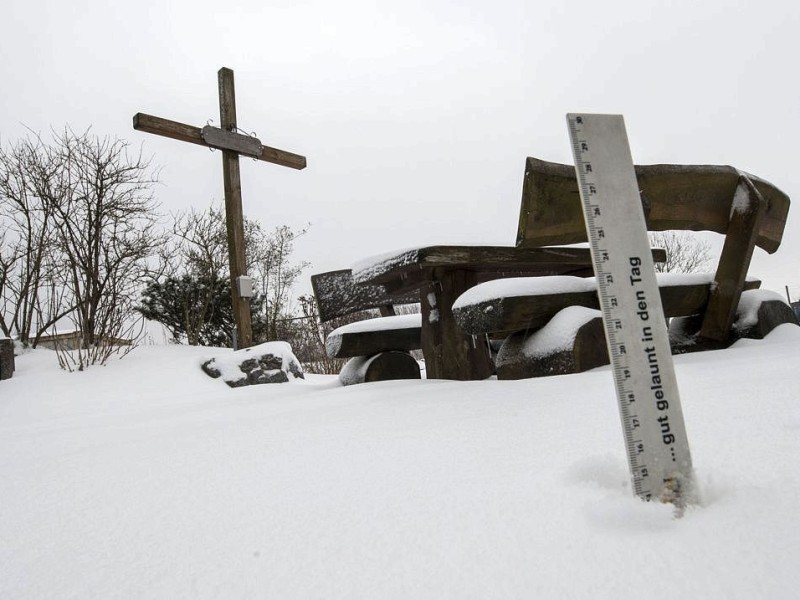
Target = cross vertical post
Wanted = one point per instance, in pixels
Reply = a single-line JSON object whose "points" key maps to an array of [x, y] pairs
{"points": [[234, 216]]}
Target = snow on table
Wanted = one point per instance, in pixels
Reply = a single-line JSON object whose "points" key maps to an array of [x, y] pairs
{"points": [[370, 267]]}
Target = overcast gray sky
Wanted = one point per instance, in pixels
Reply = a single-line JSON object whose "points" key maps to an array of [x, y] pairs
{"points": [[415, 116]]}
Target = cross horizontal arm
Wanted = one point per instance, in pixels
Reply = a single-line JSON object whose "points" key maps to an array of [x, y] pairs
{"points": [[194, 135]]}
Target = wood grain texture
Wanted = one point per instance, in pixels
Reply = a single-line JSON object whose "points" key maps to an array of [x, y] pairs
{"points": [[337, 295], [234, 217], [412, 268], [189, 133], [588, 351], [532, 312], [449, 353], [369, 343], [230, 140], [167, 128], [681, 197], [473, 258], [734, 262]]}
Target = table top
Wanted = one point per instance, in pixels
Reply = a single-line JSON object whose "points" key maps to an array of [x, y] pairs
{"points": [[405, 269]]}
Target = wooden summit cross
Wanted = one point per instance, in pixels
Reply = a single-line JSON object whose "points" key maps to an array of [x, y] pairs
{"points": [[232, 143]]}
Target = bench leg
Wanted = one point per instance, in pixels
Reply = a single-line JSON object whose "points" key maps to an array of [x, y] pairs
{"points": [[748, 208], [516, 359], [449, 353]]}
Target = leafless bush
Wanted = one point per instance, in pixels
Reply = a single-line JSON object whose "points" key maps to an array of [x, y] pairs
{"points": [[686, 253], [80, 225]]}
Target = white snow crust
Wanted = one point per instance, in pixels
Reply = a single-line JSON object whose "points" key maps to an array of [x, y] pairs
{"points": [[559, 333], [355, 369], [524, 286], [749, 303], [369, 267], [741, 199], [147, 479], [380, 324], [558, 284]]}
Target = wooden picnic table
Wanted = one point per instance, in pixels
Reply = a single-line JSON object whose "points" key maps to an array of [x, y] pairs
{"points": [[442, 273]]}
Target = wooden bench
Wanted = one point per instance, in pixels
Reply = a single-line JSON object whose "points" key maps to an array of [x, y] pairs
{"points": [[434, 276], [747, 210], [377, 348]]}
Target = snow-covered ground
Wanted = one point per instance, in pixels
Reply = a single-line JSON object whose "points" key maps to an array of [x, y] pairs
{"points": [[147, 479]]}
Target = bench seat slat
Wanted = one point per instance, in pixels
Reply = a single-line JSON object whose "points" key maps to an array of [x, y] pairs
{"points": [[529, 303], [372, 336]]}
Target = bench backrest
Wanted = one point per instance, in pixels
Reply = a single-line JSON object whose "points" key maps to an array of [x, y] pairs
{"points": [[747, 210], [679, 197], [337, 296]]}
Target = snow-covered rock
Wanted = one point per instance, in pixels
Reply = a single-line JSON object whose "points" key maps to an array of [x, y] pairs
{"points": [[272, 362]]}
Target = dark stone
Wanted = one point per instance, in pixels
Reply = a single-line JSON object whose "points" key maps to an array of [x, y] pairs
{"points": [[587, 352], [385, 366], [209, 369], [268, 362], [771, 313], [235, 383], [7, 365], [248, 365], [257, 376]]}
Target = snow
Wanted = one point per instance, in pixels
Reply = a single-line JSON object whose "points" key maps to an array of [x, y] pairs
{"points": [[559, 333], [511, 287], [749, 303], [372, 266], [379, 324], [431, 299], [524, 286], [333, 343], [148, 479], [355, 369], [741, 199]]}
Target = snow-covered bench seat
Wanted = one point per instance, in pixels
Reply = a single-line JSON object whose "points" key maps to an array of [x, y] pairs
{"points": [[378, 348], [372, 336], [505, 306], [552, 325]]}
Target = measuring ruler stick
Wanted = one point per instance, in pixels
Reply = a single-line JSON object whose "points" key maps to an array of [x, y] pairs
{"points": [[635, 326]]}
